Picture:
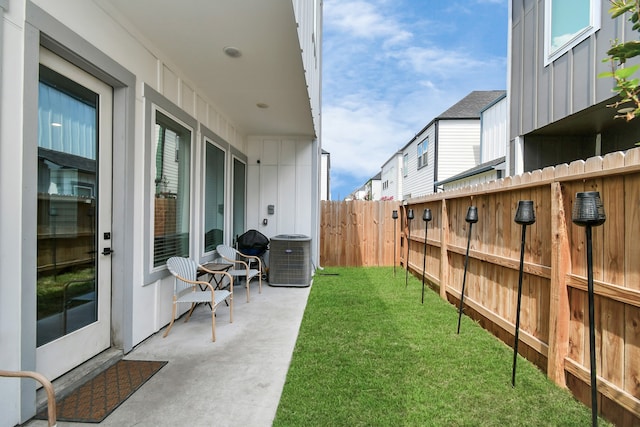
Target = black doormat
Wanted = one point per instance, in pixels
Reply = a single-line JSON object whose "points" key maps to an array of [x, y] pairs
{"points": [[95, 399]]}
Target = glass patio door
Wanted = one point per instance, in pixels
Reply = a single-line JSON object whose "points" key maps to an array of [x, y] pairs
{"points": [[74, 216]]}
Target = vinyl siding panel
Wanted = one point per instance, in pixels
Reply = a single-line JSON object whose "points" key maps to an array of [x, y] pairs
{"points": [[391, 173], [419, 182], [458, 146]]}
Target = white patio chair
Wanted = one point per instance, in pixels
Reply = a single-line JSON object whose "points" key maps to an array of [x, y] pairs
{"points": [[230, 255], [187, 289]]}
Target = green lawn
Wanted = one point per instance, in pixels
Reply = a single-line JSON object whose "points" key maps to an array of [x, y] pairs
{"points": [[370, 354]]}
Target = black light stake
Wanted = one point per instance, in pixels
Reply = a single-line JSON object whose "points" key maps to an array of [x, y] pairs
{"points": [[406, 273], [525, 215], [472, 218], [394, 215], [426, 217], [588, 211]]}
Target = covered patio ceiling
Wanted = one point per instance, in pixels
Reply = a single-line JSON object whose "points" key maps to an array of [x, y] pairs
{"points": [[193, 35]]}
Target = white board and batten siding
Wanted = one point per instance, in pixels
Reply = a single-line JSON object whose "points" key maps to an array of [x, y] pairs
{"points": [[458, 147], [309, 16], [493, 143], [281, 167]]}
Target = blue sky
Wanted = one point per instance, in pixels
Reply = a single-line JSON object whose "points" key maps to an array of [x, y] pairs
{"points": [[391, 66]]}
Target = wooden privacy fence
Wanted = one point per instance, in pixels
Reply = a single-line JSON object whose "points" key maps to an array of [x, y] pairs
{"points": [[358, 233], [554, 325]]}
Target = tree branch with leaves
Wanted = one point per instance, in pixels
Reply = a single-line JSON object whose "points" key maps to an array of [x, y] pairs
{"points": [[627, 86]]}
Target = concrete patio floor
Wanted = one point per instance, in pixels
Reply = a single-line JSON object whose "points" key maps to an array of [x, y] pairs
{"points": [[236, 381]]}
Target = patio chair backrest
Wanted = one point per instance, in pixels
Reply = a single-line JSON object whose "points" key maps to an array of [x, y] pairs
{"points": [[226, 251], [182, 267]]}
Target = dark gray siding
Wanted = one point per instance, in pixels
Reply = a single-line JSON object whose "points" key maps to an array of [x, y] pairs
{"points": [[542, 95], [515, 89]]}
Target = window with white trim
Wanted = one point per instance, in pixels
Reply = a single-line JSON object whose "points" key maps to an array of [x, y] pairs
{"points": [[567, 23], [405, 165], [214, 186], [172, 189], [423, 152], [239, 196]]}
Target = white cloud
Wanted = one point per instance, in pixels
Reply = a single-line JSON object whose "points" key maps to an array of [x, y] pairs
{"points": [[446, 63], [362, 19], [363, 134]]}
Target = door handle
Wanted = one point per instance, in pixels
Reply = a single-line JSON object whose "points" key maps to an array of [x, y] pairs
{"points": [[107, 251]]}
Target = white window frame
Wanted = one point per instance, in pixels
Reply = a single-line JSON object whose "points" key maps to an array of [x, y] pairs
{"points": [[189, 174], [423, 150], [594, 25], [224, 148], [405, 165], [207, 136], [154, 101], [237, 156]]}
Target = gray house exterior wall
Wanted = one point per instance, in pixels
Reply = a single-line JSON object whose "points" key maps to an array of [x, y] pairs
{"points": [[558, 111]]}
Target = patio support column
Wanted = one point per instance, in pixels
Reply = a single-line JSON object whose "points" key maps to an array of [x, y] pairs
{"points": [[559, 295]]}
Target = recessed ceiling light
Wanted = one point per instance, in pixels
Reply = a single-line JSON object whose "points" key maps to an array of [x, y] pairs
{"points": [[262, 105], [232, 52]]}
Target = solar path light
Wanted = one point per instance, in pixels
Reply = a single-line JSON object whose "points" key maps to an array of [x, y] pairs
{"points": [[588, 211], [394, 215], [472, 218], [426, 217], [406, 273], [525, 215]]}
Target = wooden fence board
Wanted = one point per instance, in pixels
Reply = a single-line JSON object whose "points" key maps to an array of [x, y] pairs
{"points": [[559, 309], [612, 313], [632, 231], [632, 352], [445, 276]]}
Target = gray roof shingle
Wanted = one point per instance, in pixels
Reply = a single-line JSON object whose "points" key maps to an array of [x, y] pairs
{"points": [[471, 105]]}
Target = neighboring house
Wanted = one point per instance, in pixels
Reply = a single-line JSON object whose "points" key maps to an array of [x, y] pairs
{"points": [[325, 176], [391, 178], [131, 132], [359, 194], [558, 105], [448, 145], [493, 148], [373, 188]]}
